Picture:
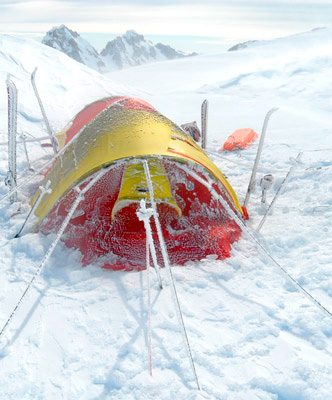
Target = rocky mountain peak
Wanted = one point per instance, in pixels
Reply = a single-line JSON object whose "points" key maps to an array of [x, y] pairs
{"points": [[72, 44], [130, 49]]}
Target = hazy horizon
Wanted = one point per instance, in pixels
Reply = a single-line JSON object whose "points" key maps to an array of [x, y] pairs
{"points": [[188, 25]]}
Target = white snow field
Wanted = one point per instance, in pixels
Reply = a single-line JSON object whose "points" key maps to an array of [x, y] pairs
{"points": [[82, 333]]}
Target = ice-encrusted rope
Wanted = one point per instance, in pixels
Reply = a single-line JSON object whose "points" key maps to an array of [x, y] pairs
{"points": [[168, 268], [144, 214], [55, 242], [47, 163], [36, 172], [149, 303], [252, 237]]}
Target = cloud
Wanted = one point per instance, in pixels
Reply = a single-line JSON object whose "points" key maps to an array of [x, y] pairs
{"points": [[236, 19]]}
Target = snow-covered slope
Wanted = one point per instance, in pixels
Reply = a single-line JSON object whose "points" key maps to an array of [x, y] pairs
{"points": [[315, 37], [133, 49], [71, 43], [82, 332], [64, 93], [294, 74]]}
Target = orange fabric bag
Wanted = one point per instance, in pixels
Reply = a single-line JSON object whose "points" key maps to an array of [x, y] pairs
{"points": [[240, 139]]}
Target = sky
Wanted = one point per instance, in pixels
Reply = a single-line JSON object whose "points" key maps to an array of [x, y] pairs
{"points": [[204, 26]]}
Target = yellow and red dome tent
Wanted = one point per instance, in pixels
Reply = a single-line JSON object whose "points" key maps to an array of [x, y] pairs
{"points": [[121, 132]]}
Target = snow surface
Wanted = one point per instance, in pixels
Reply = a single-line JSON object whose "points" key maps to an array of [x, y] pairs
{"points": [[81, 333]]}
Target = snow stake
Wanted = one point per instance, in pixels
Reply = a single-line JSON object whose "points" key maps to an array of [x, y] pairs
{"points": [[24, 141], [295, 163], [251, 186], [265, 183]]}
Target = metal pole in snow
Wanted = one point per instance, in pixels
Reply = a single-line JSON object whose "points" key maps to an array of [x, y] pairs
{"points": [[251, 185], [168, 268], [283, 184], [24, 141]]}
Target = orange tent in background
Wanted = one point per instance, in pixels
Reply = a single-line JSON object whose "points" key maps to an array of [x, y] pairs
{"points": [[240, 139]]}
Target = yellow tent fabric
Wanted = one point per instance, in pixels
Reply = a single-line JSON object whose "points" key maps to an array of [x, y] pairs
{"points": [[124, 134], [134, 186]]}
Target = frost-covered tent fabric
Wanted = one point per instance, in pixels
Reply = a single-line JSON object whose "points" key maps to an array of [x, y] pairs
{"points": [[118, 133]]}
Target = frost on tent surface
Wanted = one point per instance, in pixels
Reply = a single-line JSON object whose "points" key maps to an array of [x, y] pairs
{"points": [[201, 228], [105, 224]]}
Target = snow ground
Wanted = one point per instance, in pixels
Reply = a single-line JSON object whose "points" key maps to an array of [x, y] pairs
{"points": [[82, 332]]}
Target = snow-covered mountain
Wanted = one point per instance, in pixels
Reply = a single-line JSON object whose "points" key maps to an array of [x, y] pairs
{"points": [[133, 49], [124, 51], [296, 41], [242, 45], [72, 44], [64, 93], [81, 333]]}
